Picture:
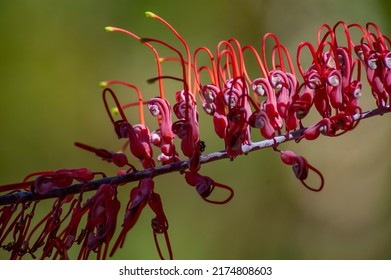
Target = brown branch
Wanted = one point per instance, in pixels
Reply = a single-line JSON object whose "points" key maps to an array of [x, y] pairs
{"points": [[25, 196]]}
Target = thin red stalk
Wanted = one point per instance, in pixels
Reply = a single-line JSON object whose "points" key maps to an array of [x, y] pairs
{"points": [[224, 72], [313, 54], [288, 58], [186, 83], [347, 35], [157, 58], [188, 56], [240, 55], [15, 187], [267, 35], [139, 95], [214, 77], [259, 61], [117, 103], [229, 52]]}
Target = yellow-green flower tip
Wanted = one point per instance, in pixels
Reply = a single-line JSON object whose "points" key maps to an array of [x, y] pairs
{"points": [[114, 111], [103, 84], [150, 14], [109, 28]]}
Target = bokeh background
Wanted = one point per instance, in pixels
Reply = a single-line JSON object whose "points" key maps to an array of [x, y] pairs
{"points": [[53, 54]]}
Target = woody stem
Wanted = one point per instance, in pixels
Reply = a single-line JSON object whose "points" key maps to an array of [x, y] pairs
{"points": [[24, 196]]}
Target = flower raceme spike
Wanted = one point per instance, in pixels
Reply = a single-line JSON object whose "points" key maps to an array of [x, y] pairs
{"points": [[276, 101]]}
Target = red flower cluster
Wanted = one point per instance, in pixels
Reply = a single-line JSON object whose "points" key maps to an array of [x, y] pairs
{"points": [[275, 103]]}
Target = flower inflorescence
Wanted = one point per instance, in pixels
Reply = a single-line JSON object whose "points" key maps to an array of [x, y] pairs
{"points": [[273, 104]]}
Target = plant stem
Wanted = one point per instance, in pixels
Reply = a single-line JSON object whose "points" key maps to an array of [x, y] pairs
{"points": [[24, 196]]}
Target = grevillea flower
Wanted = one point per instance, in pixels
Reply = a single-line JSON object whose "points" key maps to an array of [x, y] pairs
{"points": [[274, 102], [17, 228], [187, 128], [235, 95], [140, 196], [137, 135], [374, 53], [213, 104], [119, 159], [101, 221], [52, 223], [164, 136], [205, 186], [70, 233], [301, 168], [159, 224], [262, 87]]}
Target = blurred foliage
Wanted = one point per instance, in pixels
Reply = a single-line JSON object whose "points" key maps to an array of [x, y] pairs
{"points": [[54, 54]]}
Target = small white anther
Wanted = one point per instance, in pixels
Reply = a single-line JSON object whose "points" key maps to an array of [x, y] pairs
{"points": [[154, 109], [208, 95], [323, 129], [341, 60], [388, 62], [333, 80], [259, 123], [357, 93], [156, 139], [372, 63], [360, 55], [331, 63], [208, 108], [232, 102], [259, 90]]}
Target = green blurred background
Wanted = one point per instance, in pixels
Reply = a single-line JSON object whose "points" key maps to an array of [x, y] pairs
{"points": [[53, 54]]}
